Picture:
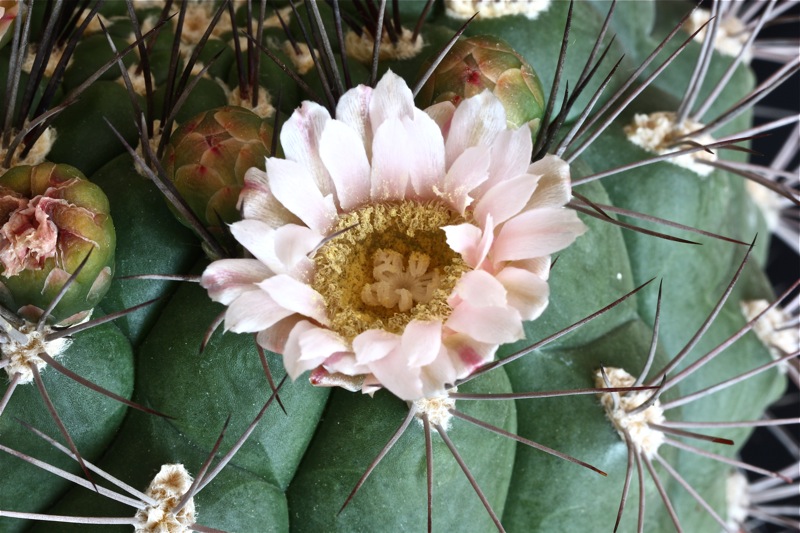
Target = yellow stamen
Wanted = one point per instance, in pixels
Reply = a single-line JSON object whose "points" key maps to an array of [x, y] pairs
{"points": [[391, 266]]}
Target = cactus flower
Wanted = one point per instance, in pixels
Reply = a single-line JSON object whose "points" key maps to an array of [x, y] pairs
{"points": [[207, 158], [8, 12], [485, 62], [395, 247], [52, 218]]}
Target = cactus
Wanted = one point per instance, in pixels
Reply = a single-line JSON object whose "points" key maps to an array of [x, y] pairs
{"points": [[423, 297]]}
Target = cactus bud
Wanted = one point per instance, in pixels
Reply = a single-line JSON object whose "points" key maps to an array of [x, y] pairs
{"points": [[52, 217], [483, 63], [208, 156]]}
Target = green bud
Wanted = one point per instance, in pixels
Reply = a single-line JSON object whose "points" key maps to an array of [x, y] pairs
{"points": [[207, 158], [53, 218], [483, 63]]}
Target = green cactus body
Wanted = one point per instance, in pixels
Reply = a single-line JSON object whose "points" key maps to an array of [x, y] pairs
{"points": [[297, 468]]}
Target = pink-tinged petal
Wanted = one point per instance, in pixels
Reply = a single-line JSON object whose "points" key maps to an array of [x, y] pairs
{"points": [[511, 156], [493, 325], [527, 292], [274, 338], [421, 342], [308, 346], [442, 113], [470, 241], [468, 354], [391, 100], [321, 377], [506, 199], [481, 289], [390, 156], [374, 344], [353, 110], [256, 201], [397, 377], [464, 239], [469, 170], [258, 238], [345, 363], [300, 141], [442, 373], [226, 279], [295, 296], [536, 233], [343, 153], [294, 187], [476, 121], [426, 167], [253, 311], [554, 188]]}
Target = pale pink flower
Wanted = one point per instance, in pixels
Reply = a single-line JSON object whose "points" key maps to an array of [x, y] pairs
{"points": [[395, 247], [8, 12]]}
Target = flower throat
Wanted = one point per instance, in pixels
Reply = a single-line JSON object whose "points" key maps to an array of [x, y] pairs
{"points": [[390, 265]]}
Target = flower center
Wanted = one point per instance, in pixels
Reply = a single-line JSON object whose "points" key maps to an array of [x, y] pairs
{"points": [[397, 286], [390, 264]]}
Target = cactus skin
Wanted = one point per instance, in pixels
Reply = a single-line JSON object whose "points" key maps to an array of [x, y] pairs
{"points": [[295, 471]]}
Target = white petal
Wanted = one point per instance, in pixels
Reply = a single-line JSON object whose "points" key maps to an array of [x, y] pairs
{"points": [[397, 377], [470, 169], [476, 121], [294, 187], [511, 155], [554, 188], [426, 167], [258, 238], [481, 289], [274, 338], [296, 297], [300, 141], [257, 201], [536, 233], [421, 342], [391, 100], [440, 374], [470, 241], [353, 110], [493, 325], [527, 292], [228, 278], [342, 151], [442, 114], [390, 156], [292, 244], [506, 199], [253, 311], [374, 344], [308, 346]]}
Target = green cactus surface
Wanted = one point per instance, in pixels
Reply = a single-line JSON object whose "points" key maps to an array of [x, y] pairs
{"points": [[511, 454]]}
